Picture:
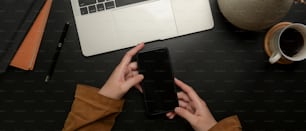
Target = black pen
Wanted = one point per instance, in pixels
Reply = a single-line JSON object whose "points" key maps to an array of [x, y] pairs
{"points": [[58, 50]]}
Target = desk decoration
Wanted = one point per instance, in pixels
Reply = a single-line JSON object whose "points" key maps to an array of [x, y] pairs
{"points": [[300, 1], [255, 15]]}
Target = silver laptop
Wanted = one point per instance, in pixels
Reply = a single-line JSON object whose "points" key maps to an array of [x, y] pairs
{"points": [[108, 25]]}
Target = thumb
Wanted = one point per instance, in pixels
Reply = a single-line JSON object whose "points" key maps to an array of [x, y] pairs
{"points": [[133, 81], [185, 114]]}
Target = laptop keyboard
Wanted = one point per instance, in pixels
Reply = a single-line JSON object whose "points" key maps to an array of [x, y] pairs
{"points": [[92, 6]]}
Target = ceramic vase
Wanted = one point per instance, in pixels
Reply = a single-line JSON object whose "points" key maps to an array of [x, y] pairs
{"points": [[254, 15]]}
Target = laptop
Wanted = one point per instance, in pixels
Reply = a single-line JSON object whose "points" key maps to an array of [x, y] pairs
{"points": [[17, 17], [109, 25]]}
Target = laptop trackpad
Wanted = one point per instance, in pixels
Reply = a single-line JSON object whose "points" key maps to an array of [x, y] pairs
{"points": [[144, 22]]}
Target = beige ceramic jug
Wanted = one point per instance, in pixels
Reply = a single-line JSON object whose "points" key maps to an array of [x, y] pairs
{"points": [[254, 15]]}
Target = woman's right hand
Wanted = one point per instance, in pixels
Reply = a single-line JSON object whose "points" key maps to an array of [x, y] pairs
{"points": [[193, 109]]}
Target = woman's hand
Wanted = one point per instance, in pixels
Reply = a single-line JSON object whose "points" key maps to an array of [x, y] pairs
{"points": [[193, 109], [124, 77]]}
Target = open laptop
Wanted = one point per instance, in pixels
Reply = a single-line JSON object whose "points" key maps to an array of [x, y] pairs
{"points": [[108, 25]]}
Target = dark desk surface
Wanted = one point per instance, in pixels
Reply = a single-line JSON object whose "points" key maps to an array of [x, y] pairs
{"points": [[226, 66]]}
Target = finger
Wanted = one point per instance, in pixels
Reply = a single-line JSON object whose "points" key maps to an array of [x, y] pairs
{"points": [[186, 105], [190, 93], [183, 96], [137, 86], [185, 114], [132, 81], [131, 74], [170, 115], [186, 88], [174, 114], [133, 66], [183, 104], [129, 55]]}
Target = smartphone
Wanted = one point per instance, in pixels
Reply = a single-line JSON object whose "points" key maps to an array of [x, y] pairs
{"points": [[158, 84]]}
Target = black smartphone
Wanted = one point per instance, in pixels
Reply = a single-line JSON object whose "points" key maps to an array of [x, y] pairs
{"points": [[158, 84]]}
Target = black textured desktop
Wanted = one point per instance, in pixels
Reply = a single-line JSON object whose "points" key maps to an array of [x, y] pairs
{"points": [[226, 66]]}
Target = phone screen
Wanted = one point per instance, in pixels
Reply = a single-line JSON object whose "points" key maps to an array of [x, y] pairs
{"points": [[158, 84]]}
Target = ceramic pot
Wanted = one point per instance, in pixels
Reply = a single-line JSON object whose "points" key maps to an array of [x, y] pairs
{"points": [[254, 15]]}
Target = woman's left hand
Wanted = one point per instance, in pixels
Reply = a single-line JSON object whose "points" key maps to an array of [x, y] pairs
{"points": [[124, 77]]}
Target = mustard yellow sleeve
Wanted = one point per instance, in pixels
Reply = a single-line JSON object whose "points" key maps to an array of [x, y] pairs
{"points": [[231, 123], [91, 111]]}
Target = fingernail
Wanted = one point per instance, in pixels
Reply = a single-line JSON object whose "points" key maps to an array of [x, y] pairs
{"points": [[141, 76]]}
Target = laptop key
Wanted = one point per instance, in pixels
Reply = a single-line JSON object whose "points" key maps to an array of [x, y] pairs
{"points": [[110, 5], [86, 2], [92, 9], [100, 7], [101, 0], [84, 11]]}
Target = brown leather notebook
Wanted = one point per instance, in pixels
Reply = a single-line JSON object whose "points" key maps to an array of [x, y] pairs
{"points": [[25, 56]]}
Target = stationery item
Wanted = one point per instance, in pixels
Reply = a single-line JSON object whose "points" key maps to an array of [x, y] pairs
{"points": [[26, 54], [17, 16], [286, 43], [105, 26], [58, 50]]}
